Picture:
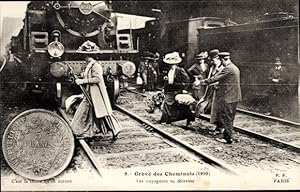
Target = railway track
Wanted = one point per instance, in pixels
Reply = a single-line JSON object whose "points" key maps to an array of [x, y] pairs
{"points": [[145, 147], [84, 145], [144, 144], [205, 157], [250, 150], [139, 146], [266, 128]]}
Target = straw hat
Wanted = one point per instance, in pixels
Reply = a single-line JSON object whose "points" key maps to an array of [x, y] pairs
{"points": [[172, 58]]}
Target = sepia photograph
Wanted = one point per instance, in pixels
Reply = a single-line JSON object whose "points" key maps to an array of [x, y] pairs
{"points": [[155, 95]]}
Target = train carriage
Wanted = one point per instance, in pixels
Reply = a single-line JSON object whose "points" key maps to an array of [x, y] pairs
{"points": [[253, 47]]}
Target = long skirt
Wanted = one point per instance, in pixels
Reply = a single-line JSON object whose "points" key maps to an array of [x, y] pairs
{"points": [[217, 111], [85, 124], [198, 91], [173, 111], [150, 80], [214, 108]]}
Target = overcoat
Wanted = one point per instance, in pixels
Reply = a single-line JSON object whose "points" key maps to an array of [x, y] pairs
{"points": [[200, 73], [281, 87], [87, 121], [97, 89], [215, 100], [229, 84]]}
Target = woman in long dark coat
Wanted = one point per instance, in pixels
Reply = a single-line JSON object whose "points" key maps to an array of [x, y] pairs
{"points": [[198, 71], [89, 121], [177, 82]]}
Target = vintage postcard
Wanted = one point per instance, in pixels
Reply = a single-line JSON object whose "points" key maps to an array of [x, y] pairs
{"points": [[149, 95]]}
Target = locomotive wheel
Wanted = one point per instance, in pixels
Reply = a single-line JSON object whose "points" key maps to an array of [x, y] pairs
{"points": [[38, 144], [113, 88]]}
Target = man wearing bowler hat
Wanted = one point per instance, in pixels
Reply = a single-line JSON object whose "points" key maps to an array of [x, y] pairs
{"points": [[214, 98], [229, 93]]}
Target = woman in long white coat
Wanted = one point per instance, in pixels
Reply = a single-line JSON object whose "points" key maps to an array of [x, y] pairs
{"points": [[89, 121]]}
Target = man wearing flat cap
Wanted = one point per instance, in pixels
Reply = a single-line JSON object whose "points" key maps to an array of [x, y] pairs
{"points": [[279, 89], [224, 55], [229, 92]]}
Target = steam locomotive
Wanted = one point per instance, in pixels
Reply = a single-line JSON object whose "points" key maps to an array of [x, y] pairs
{"points": [[56, 38]]}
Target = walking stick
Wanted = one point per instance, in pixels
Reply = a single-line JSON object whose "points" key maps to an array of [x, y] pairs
{"points": [[81, 87], [85, 93]]}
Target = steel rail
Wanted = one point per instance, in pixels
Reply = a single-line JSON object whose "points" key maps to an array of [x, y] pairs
{"points": [[262, 137], [280, 120], [84, 145], [254, 114], [275, 142], [136, 92], [205, 157], [3, 63]]}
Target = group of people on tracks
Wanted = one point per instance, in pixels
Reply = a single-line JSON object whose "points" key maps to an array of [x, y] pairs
{"points": [[217, 81], [215, 89]]}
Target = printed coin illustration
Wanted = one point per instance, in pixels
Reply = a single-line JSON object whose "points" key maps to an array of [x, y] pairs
{"points": [[38, 144]]}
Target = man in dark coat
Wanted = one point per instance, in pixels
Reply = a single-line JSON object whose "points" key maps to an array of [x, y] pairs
{"points": [[148, 70], [279, 89], [229, 93]]}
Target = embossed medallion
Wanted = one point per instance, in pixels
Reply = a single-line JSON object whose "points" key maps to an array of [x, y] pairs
{"points": [[38, 144]]}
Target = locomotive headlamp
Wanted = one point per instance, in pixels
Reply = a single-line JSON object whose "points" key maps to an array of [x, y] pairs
{"points": [[86, 8], [56, 49], [128, 68], [58, 69]]}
